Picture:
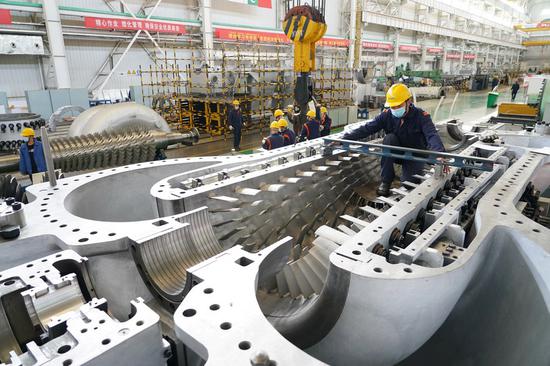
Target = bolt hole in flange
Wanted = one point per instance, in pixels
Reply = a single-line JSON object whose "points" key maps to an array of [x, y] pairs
{"points": [[189, 313], [225, 326], [244, 345]]}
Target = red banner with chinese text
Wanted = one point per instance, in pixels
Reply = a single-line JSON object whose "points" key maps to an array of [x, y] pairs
{"points": [[133, 25], [409, 48], [377, 46], [5, 16], [270, 37], [434, 50]]}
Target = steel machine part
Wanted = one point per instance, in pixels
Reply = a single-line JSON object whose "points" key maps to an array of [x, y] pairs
{"points": [[49, 314], [287, 257]]}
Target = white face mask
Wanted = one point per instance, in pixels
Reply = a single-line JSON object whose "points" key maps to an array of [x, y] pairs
{"points": [[398, 113]]}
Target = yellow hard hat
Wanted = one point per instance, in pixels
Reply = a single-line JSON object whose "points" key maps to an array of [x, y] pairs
{"points": [[274, 124], [397, 94], [283, 123], [27, 132], [236, 102], [324, 110], [278, 113], [310, 113]]}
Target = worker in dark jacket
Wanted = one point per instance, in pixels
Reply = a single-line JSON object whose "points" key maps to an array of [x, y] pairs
{"points": [[326, 122], [31, 154], [405, 125], [515, 88], [275, 140], [294, 118], [311, 128], [289, 137], [236, 124]]}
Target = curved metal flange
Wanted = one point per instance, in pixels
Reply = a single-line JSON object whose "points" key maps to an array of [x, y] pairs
{"points": [[222, 322]]}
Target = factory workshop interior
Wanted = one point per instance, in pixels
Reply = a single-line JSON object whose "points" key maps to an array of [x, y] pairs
{"points": [[274, 182]]}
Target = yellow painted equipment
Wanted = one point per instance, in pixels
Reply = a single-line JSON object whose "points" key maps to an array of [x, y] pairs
{"points": [[304, 32], [517, 109]]}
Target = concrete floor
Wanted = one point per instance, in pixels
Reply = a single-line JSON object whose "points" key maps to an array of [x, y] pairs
{"points": [[469, 107]]}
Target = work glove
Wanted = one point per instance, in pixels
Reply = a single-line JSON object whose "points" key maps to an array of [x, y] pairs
{"points": [[446, 168]]}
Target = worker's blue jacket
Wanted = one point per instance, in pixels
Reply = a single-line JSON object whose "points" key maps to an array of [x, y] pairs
{"points": [[273, 141], [235, 119], [415, 130], [25, 165], [289, 137], [310, 130]]}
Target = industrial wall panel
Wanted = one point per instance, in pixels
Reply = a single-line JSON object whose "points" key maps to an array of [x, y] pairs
{"points": [[184, 9], [86, 57], [3, 102], [38, 101], [59, 98], [19, 73], [242, 14], [79, 97]]}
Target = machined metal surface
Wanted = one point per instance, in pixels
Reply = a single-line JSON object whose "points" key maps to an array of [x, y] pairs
{"points": [[287, 257]]}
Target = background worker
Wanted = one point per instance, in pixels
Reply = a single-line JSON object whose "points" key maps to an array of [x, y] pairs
{"points": [[326, 122], [515, 89], [405, 125], [294, 119], [275, 140], [236, 124], [278, 114], [311, 128], [289, 137], [31, 154]]}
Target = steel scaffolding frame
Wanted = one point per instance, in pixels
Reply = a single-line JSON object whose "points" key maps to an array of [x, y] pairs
{"points": [[191, 93]]}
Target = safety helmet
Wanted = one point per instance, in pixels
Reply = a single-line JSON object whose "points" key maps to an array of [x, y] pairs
{"points": [[27, 132], [274, 124], [236, 102], [397, 94], [278, 113], [324, 110], [283, 123], [310, 113], [290, 108]]}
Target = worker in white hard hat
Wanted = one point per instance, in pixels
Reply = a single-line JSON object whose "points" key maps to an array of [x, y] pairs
{"points": [[405, 125]]}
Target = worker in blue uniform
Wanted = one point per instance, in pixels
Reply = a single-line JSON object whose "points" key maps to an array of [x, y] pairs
{"points": [[326, 122], [311, 128], [275, 140], [236, 124], [405, 125], [31, 154], [289, 137]]}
